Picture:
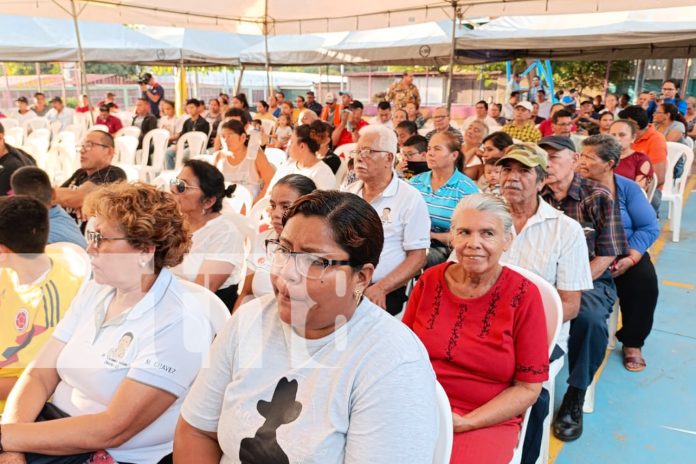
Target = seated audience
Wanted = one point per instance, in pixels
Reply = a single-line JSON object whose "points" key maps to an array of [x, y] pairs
{"points": [[414, 115], [605, 121], [403, 213], [214, 118], [85, 106], [107, 119], [481, 115], [384, 115], [495, 144], [195, 123], [670, 123], [670, 95], [109, 98], [307, 117], [321, 132], [217, 247], [331, 112], [143, 120], [283, 194], [413, 157], [60, 113], [22, 113], [521, 127], [303, 160], [632, 164], [348, 128], [442, 187], [38, 283], [634, 273], [405, 130], [470, 162], [11, 159], [108, 385], [494, 111], [282, 132], [312, 104], [240, 101], [690, 117], [238, 166], [546, 127], [169, 120], [40, 107], [484, 327], [489, 182], [441, 123], [34, 182], [398, 116], [262, 111], [378, 407]]}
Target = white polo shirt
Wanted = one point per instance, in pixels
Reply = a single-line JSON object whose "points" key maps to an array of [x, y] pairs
{"points": [[160, 342], [320, 173], [553, 246], [405, 220]]}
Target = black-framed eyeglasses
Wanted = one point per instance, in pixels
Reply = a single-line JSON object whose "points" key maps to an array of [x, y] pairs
{"points": [[88, 145], [307, 265], [365, 152], [97, 238], [180, 186]]}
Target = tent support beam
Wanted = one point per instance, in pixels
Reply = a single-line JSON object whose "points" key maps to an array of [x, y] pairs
{"points": [[84, 86], [606, 80], [640, 77], [451, 57], [687, 71], [238, 84], [265, 46]]}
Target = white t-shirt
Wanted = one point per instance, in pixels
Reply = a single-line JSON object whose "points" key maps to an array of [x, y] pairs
{"points": [[218, 240], [363, 394], [169, 339], [405, 220], [22, 118], [320, 173], [260, 265], [65, 117]]}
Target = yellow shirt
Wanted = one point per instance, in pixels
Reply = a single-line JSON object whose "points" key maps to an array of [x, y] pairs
{"points": [[29, 313]]}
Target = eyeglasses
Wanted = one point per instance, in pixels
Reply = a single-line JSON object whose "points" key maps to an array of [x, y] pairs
{"points": [[365, 152], [307, 265], [97, 238], [667, 89], [88, 145], [411, 154], [180, 186]]}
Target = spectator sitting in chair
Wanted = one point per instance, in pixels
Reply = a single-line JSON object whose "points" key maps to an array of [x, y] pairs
{"points": [[40, 107], [521, 127], [143, 119], [11, 159], [107, 119], [60, 113], [22, 113], [195, 123]]}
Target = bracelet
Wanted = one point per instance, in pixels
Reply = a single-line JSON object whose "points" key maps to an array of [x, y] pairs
{"points": [[633, 261]]}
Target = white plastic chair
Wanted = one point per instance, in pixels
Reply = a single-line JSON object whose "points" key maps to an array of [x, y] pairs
{"points": [[41, 138], [37, 123], [84, 121], [241, 198], [56, 127], [267, 125], [445, 435], [343, 150], [17, 134], [259, 212], [132, 173], [673, 189], [199, 298], [275, 156], [77, 258], [651, 188], [8, 123], [195, 142], [133, 131], [159, 140], [126, 145], [76, 129], [99, 127], [65, 148], [342, 171]]}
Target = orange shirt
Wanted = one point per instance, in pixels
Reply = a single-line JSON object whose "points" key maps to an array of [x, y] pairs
{"points": [[653, 144]]}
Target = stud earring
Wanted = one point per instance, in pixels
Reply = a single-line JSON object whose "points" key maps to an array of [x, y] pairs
{"points": [[143, 262]]}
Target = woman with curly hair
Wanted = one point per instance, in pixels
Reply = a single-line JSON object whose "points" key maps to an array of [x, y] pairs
{"points": [[126, 353]]}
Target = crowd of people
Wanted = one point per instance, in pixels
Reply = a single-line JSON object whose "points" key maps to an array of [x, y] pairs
{"points": [[313, 366]]}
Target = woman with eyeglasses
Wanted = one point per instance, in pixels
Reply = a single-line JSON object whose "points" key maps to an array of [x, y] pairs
{"points": [[315, 373], [670, 123], [690, 117], [258, 279], [108, 385], [217, 251]]}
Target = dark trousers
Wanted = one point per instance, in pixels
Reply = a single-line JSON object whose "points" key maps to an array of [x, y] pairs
{"points": [[637, 290], [228, 295], [395, 300], [589, 334]]}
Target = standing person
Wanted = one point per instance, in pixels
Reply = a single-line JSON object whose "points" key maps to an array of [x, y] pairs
{"points": [[40, 107], [107, 119], [152, 91], [534, 89], [634, 273], [312, 104], [508, 110], [143, 119], [544, 104], [11, 159], [404, 91]]}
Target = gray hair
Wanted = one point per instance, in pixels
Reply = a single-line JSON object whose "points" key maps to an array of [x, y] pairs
{"points": [[606, 147], [483, 125], [485, 203], [386, 138]]}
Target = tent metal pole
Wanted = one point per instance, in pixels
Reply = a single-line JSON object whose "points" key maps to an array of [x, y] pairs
{"points": [[84, 87], [238, 84], [37, 67], [640, 76], [265, 46], [685, 81], [451, 58], [606, 79], [8, 96]]}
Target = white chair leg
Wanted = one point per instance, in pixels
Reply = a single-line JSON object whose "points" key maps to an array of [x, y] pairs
{"points": [[612, 325], [676, 218], [588, 406]]}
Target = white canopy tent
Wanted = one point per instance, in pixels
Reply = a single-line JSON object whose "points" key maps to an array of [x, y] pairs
{"points": [[646, 34]]}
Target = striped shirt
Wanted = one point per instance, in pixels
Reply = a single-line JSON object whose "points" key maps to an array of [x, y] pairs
{"points": [[442, 202]]}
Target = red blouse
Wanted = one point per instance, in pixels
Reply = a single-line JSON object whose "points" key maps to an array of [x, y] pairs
{"points": [[635, 165], [479, 346]]}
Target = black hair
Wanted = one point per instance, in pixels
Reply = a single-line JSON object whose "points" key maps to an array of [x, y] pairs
{"points": [[674, 114], [304, 135], [23, 224], [636, 113], [418, 142], [561, 114], [264, 104], [34, 182], [279, 92], [236, 127], [192, 101], [515, 93], [484, 103], [299, 183], [300, 97], [237, 113], [211, 181], [500, 140], [354, 223], [104, 138], [384, 105], [2, 129], [410, 126], [242, 98], [355, 104]]}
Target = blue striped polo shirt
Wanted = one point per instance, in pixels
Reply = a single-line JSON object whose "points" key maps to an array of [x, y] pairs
{"points": [[441, 203]]}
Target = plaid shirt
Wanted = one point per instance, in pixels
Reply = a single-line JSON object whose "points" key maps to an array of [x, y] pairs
{"points": [[592, 205], [526, 133]]}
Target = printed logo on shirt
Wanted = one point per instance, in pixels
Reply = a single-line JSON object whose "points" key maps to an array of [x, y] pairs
{"points": [[22, 320], [119, 355]]}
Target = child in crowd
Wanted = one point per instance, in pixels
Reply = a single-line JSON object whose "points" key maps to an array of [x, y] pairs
{"points": [[283, 132], [490, 182]]}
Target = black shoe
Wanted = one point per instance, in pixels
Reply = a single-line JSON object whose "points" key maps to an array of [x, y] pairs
{"points": [[568, 423]]}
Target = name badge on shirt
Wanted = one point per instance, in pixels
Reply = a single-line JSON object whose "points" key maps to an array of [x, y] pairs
{"points": [[121, 355]]}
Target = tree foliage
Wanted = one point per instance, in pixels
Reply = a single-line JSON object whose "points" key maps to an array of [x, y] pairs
{"points": [[588, 74]]}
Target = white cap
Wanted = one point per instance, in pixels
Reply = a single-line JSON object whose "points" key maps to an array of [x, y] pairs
{"points": [[526, 105], [330, 97]]}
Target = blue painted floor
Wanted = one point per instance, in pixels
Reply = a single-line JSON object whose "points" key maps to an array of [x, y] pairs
{"points": [[650, 417]]}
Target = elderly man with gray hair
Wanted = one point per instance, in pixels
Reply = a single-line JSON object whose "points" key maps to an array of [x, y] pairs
{"points": [[402, 210]]}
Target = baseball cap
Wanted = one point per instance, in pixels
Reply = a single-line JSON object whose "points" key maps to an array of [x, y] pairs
{"points": [[345, 92], [559, 142], [567, 100], [526, 105], [56, 100], [526, 153], [330, 97], [22, 99]]}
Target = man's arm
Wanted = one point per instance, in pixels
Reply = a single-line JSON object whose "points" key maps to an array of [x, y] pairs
{"points": [[73, 198], [599, 264]]}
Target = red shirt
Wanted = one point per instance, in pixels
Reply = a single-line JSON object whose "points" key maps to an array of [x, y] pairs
{"points": [[347, 137], [112, 122], [635, 165], [479, 346], [546, 128]]}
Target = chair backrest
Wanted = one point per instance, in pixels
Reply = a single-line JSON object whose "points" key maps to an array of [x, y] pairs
{"points": [[83, 120], [56, 127], [77, 258], [41, 138], [553, 308], [652, 187], [132, 173], [275, 156], [241, 198], [99, 127], [675, 151], [161, 182], [445, 434], [342, 171], [159, 139], [37, 123], [126, 145], [342, 150], [689, 142], [10, 122], [17, 133], [259, 212], [76, 129], [198, 298], [196, 143], [268, 125], [133, 131]]}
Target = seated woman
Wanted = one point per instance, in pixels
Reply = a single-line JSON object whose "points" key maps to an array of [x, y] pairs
{"points": [[632, 164], [303, 160], [442, 187], [494, 145], [124, 356], [485, 330], [252, 170], [634, 274], [342, 380], [217, 252], [283, 194], [470, 162], [669, 122], [321, 132]]}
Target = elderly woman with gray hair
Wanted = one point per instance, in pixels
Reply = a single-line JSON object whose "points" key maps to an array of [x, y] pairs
{"points": [[484, 327], [634, 274]]}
